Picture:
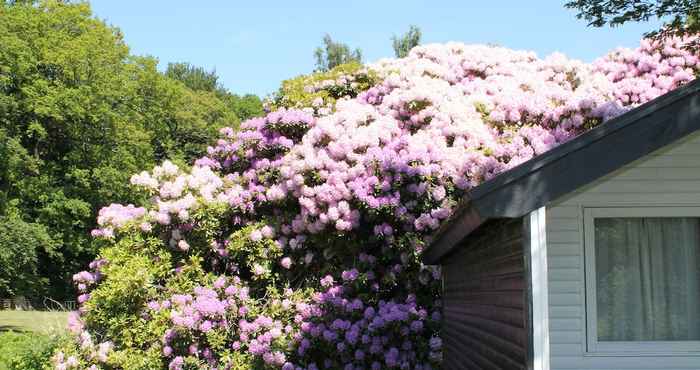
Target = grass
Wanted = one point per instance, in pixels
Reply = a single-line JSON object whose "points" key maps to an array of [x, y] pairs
{"points": [[34, 321]]}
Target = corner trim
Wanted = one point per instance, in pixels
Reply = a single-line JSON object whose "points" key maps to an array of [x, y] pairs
{"points": [[537, 291]]}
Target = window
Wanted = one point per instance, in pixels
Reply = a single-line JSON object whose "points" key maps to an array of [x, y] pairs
{"points": [[643, 279]]}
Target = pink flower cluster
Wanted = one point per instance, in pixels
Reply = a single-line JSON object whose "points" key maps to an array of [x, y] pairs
{"points": [[345, 81], [84, 280], [91, 357], [655, 68], [224, 308], [116, 216]]}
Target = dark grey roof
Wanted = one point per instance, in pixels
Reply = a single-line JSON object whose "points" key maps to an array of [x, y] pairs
{"points": [[569, 166]]}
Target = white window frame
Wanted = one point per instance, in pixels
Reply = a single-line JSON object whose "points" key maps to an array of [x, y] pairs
{"points": [[626, 348]]}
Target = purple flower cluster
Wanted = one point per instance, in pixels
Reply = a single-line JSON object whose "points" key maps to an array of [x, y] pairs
{"points": [[655, 68], [225, 308], [348, 334], [84, 280], [259, 142]]}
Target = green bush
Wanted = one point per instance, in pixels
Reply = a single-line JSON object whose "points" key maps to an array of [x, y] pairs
{"points": [[20, 244], [26, 351], [324, 88]]}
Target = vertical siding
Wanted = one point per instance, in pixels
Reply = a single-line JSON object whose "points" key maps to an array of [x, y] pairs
{"points": [[484, 300], [666, 177]]}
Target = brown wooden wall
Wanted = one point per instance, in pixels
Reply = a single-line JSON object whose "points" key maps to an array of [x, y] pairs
{"points": [[484, 287]]}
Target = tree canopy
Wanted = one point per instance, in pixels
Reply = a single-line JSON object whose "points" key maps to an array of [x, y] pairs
{"points": [[334, 53], [199, 79], [681, 17], [79, 114], [196, 78], [403, 44]]}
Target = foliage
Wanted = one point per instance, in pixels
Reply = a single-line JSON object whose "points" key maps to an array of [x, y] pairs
{"points": [[181, 121], [196, 78], [78, 114], [244, 106], [26, 351], [333, 54], [682, 16], [402, 45], [20, 243], [199, 79], [296, 242], [320, 90]]}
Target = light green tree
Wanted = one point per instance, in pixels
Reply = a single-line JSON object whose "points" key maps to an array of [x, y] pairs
{"points": [[403, 44], [333, 54], [199, 79], [196, 78]]}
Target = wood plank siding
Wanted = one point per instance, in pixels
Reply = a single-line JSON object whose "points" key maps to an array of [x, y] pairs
{"points": [[484, 300]]}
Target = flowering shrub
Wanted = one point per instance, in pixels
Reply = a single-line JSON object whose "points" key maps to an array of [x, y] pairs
{"points": [[319, 91], [295, 243]]}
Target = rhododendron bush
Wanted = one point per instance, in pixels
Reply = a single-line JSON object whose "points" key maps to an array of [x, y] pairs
{"points": [[295, 242]]}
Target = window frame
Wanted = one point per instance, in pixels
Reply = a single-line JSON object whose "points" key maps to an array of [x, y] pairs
{"points": [[625, 348]]}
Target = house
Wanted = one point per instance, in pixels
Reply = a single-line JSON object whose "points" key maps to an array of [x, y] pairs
{"points": [[585, 257]]}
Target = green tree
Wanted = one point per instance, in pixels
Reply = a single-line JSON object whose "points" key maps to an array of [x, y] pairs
{"points": [[245, 106], [681, 17], [402, 45], [333, 54], [199, 79], [182, 121], [196, 78], [78, 116], [20, 245]]}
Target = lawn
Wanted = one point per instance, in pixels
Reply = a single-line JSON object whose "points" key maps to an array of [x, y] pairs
{"points": [[37, 321]]}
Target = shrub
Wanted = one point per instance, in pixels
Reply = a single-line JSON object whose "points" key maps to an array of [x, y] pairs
{"points": [[26, 351], [321, 90], [295, 243]]}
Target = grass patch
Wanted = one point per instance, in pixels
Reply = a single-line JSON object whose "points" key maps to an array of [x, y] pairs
{"points": [[26, 351], [33, 321]]}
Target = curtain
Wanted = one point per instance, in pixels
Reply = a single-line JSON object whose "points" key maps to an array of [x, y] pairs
{"points": [[647, 278]]}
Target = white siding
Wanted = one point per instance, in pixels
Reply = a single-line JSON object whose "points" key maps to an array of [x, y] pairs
{"points": [[669, 176]]}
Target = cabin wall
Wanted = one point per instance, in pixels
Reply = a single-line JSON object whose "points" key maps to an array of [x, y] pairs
{"points": [[483, 297], [669, 176]]}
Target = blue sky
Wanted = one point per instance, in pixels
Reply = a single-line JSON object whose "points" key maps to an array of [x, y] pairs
{"points": [[256, 44]]}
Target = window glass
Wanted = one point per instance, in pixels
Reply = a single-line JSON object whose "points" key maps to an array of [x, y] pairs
{"points": [[647, 274]]}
